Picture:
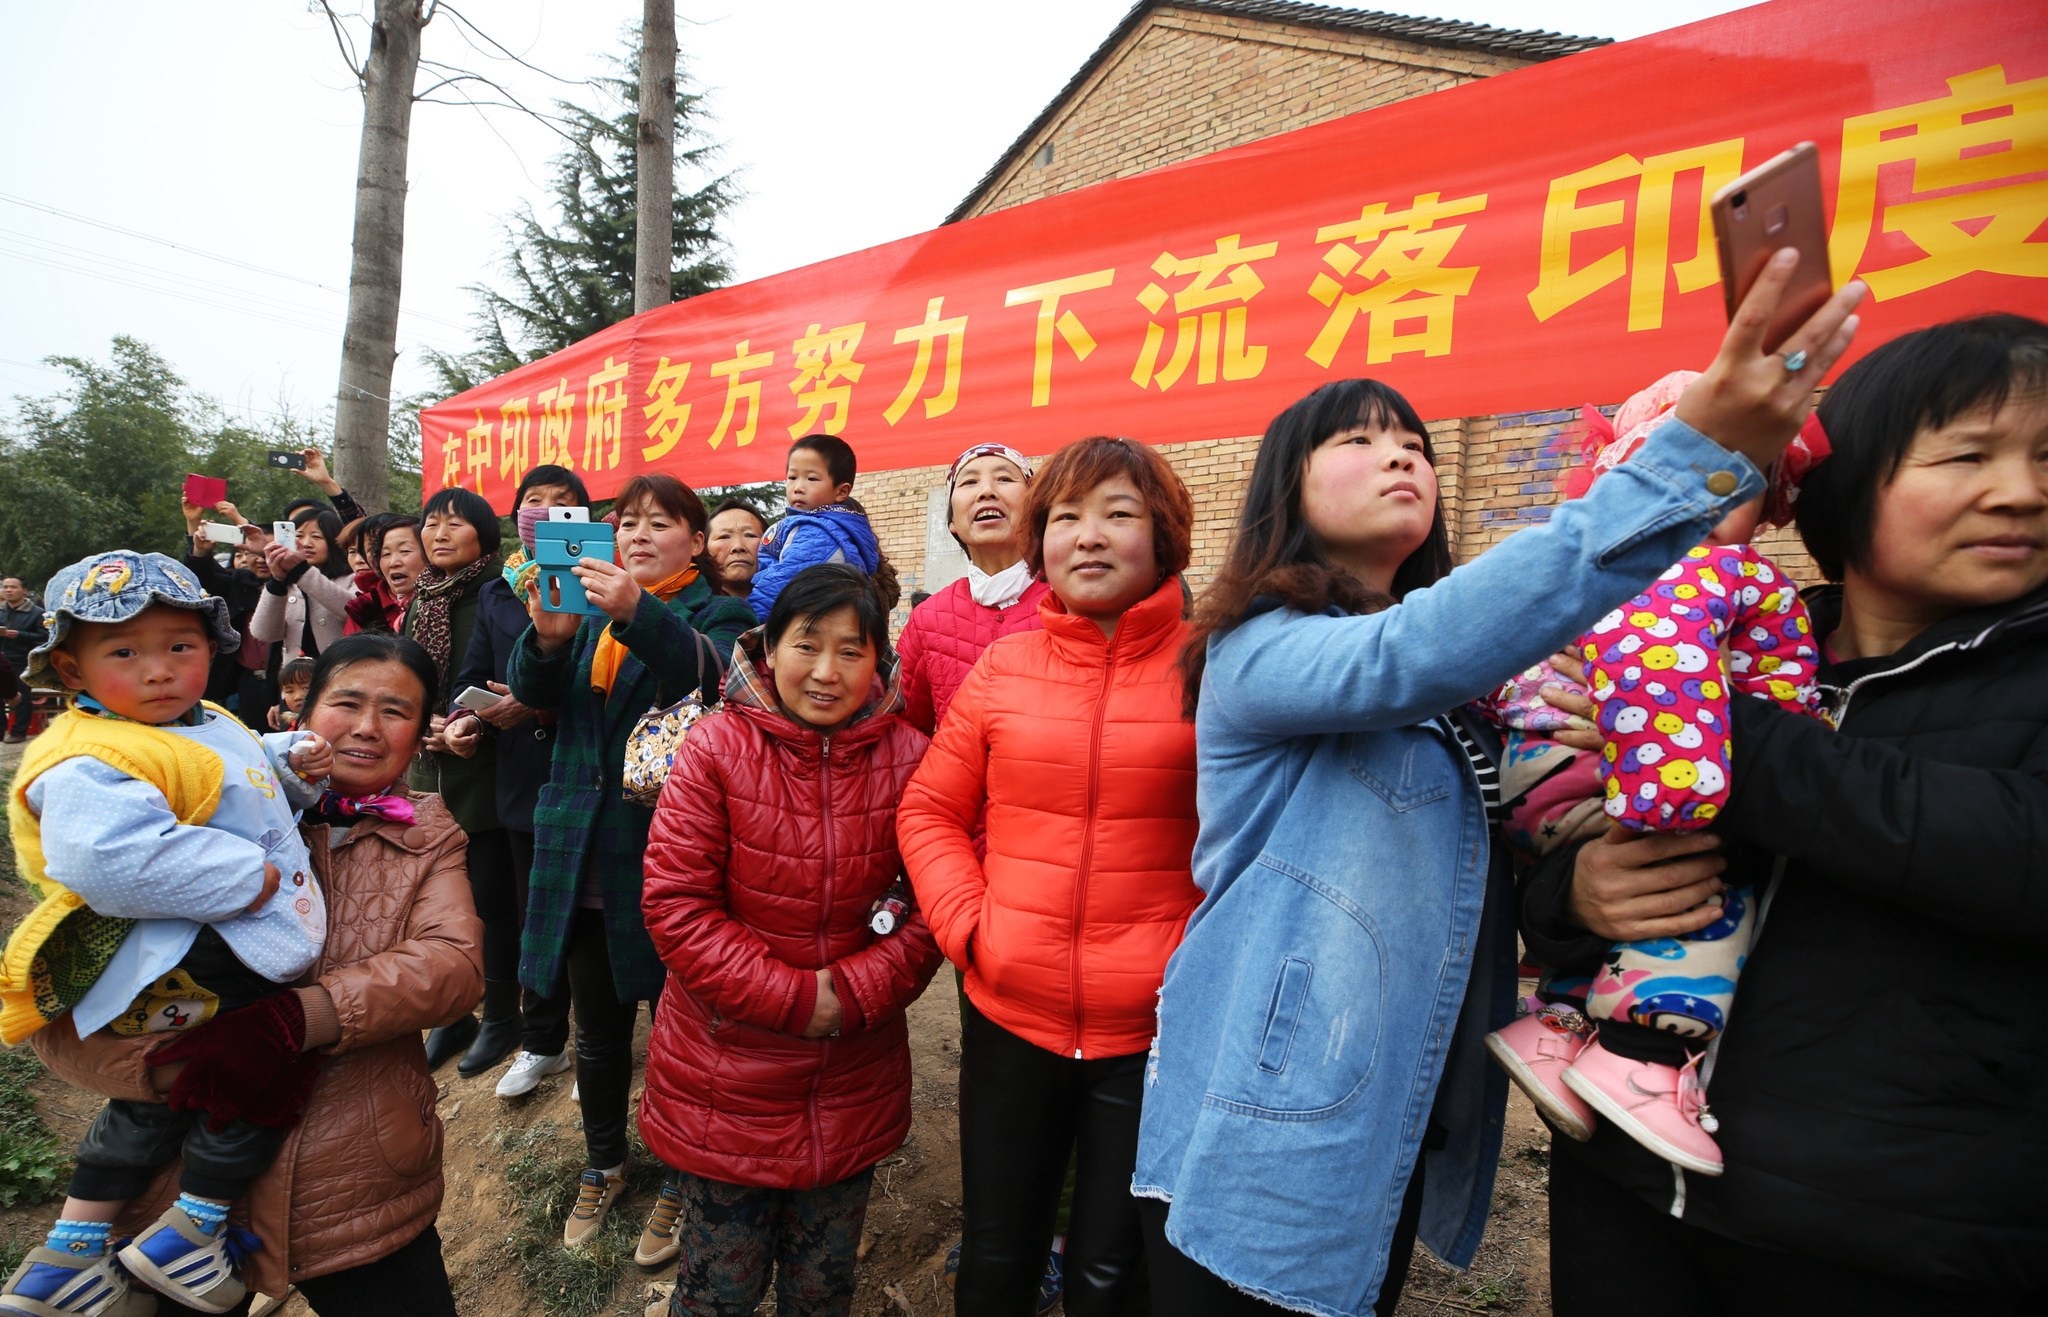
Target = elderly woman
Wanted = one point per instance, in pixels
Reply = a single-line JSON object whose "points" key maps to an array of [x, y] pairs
{"points": [[662, 634], [346, 1211], [986, 489], [1070, 743], [1879, 1086], [735, 546]]}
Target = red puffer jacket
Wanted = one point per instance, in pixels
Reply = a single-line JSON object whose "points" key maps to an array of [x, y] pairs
{"points": [[946, 634], [770, 845], [1076, 746]]}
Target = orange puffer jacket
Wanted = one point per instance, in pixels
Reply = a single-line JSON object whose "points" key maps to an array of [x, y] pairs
{"points": [[1076, 744], [360, 1175]]}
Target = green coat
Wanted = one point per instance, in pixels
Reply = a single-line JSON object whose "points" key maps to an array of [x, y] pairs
{"points": [[469, 787], [583, 818]]}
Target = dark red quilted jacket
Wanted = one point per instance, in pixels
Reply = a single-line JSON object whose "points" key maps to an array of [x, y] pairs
{"points": [[769, 846], [946, 634]]}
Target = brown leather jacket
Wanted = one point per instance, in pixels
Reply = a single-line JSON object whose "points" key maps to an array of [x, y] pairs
{"points": [[361, 1174]]}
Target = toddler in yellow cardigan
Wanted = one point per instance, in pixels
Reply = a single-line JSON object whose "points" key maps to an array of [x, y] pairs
{"points": [[162, 837]]}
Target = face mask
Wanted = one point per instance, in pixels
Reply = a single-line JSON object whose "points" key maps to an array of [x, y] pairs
{"points": [[528, 519]]}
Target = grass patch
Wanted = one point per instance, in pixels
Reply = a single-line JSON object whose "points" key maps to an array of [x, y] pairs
{"points": [[541, 1175], [33, 1166]]}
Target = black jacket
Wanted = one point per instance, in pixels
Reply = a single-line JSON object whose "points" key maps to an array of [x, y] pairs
{"points": [[1882, 1086], [28, 620], [525, 752]]}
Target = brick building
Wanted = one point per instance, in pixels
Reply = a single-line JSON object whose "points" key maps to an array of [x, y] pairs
{"points": [[1183, 78]]}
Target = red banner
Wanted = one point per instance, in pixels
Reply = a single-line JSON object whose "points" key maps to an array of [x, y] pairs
{"points": [[1528, 241]]}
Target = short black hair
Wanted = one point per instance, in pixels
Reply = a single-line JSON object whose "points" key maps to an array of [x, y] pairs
{"points": [[740, 505], [838, 455], [827, 588], [1922, 380], [548, 475], [472, 508], [299, 669], [296, 506], [373, 647]]}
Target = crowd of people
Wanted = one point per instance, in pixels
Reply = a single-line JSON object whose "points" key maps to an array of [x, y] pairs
{"points": [[1240, 896]]}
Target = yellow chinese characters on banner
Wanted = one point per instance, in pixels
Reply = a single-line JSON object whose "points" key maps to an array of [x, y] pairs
{"points": [[1403, 278], [1209, 323], [1646, 257], [1525, 242], [1978, 160]]}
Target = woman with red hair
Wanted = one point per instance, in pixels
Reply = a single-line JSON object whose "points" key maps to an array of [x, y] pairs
{"points": [[1069, 742]]}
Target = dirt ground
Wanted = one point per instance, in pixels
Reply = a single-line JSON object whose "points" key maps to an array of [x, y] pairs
{"points": [[913, 1218]]}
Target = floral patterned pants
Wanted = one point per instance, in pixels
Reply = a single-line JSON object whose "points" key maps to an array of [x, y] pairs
{"points": [[735, 1237]]}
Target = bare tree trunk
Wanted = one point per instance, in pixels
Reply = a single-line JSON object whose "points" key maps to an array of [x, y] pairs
{"points": [[369, 347], [654, 233]]}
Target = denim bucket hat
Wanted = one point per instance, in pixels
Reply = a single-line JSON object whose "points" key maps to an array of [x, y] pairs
{"points": [[116, 586]]}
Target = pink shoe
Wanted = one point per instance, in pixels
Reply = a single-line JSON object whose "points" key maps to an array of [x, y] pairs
{"points": [[1659, 1106], [1535, 1051]]}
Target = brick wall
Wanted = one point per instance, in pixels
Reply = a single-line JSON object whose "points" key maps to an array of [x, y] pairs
{"points": [[1185, 84]]}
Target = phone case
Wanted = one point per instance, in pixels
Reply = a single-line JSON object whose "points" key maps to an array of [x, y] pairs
{"points": [[1777, 204], [557, 546]]}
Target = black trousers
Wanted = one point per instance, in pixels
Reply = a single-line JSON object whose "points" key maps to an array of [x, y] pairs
{"points": [[412, 1281], [129, 1142], [1023, 1112], [1181, 1286], [604, 1040], [14, 694], [1611, 1252], [544, 1018]]}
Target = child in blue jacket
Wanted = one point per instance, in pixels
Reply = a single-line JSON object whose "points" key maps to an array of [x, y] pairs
{"points": [[823, 524]]}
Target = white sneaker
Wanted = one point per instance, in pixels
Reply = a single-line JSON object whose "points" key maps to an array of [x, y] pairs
{"points": [[528, 1069], [576, 1092]]}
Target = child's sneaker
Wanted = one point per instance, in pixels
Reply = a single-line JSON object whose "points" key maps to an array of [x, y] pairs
{"points": [[183, 1263], [1536, 1050], [49, 1283], [1659, 1106]]}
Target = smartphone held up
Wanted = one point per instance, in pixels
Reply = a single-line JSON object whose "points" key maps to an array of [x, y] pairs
{"points": [[1774, 206]]}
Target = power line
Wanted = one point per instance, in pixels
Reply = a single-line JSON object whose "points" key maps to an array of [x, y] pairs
{"points": [[189, 250]]}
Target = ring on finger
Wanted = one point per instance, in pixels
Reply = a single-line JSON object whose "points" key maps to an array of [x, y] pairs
{"points": [[1794, 361]]}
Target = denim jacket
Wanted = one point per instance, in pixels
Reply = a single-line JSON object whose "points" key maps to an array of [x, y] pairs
{"points": [[1316, 1014]]}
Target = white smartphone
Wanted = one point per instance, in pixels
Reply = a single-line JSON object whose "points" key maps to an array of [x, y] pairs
{"points": [[477, 698], [286, 534], [568, 514], [219, 532]]}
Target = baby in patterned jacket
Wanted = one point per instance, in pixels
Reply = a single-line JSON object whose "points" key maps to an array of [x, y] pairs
{"points": [[1722, 622], [162, 837]]}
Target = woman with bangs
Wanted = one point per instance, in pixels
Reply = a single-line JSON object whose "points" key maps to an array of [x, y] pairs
{"points": [[664, 632], [305, 602], [1069, 745], [1320, 1095]]}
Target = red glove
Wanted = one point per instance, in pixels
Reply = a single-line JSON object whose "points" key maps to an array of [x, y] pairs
{"points": [[246, 1064]]}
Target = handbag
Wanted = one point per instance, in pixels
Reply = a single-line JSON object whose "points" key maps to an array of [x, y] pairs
{"points": [[652, 744]]}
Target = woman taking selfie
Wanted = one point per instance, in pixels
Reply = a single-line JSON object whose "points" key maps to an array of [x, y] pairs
{"points": [[1070, 743], [347, 1209], [1355, 939], [662, 634]]}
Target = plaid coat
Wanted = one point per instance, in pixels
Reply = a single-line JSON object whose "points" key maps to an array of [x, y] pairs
{"points": [[583, 818]]}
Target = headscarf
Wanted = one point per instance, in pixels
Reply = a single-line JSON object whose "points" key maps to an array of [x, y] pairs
{"points": [[611, 651]]}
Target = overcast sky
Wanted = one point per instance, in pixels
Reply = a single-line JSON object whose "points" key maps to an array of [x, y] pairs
{"points": [[184, 172]]}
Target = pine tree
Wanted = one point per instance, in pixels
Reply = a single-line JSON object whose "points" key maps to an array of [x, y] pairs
{"points": [[574, 276]]}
